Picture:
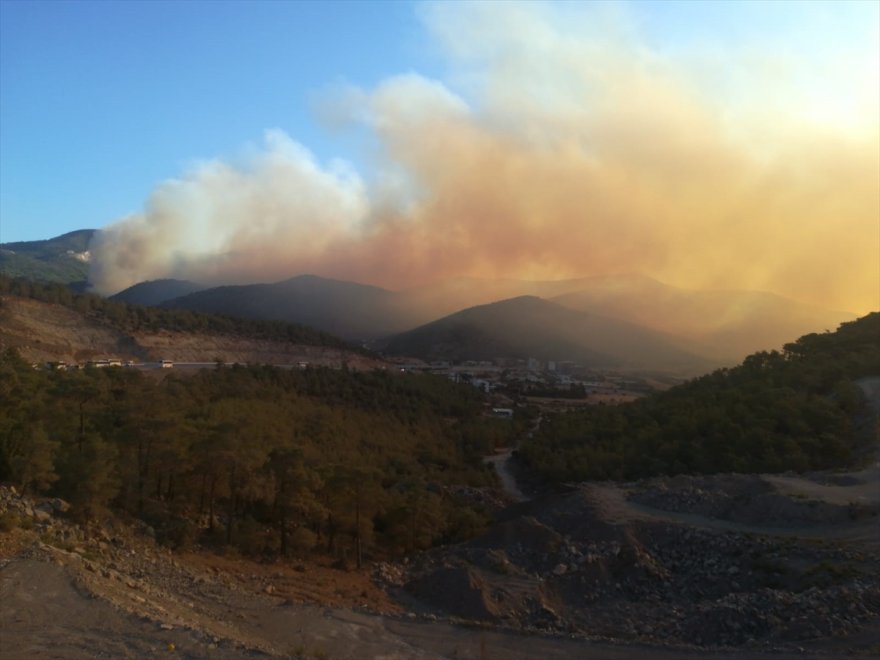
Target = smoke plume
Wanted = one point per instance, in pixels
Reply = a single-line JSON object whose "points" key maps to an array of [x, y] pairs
{"points": [[561, 144]]}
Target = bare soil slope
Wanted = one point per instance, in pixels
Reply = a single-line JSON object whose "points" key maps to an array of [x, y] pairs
{"points": [[44, 332]]}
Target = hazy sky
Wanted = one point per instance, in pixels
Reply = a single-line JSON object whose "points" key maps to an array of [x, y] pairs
{"points": [[729, 144]]}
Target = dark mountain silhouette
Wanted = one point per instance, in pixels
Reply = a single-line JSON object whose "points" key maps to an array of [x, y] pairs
{"points": [[528, 326], [727, 325], [349, 310], [724, 325], [155, 292]]}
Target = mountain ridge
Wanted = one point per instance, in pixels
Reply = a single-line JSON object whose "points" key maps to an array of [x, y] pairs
{"points": [[63, 259], [723, 324], [529, 326]]}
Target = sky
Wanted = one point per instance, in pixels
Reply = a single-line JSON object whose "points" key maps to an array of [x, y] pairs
{"points": [[710, 145]]}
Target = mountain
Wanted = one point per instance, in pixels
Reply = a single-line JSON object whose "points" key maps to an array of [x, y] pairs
{"points": [[47, 322], [728, 325], [528, 326], [155, 292], [725, 325], [349, 310], [63, 259], [449, 296], [722, 326]]}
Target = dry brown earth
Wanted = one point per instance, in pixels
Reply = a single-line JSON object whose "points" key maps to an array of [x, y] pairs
{"points": [[573, 584], [44, 332]]}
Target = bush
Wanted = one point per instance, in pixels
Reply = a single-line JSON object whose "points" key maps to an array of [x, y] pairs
{"points": [[302, 540], [8, 521]]}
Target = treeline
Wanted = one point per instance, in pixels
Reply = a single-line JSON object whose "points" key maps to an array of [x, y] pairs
{"points": [[129, 318], [778, 411], [271, 461]]}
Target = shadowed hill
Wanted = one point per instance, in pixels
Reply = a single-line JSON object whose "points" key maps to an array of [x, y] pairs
{"points": [[722, 326], [726, 324], [155, 292], [531, 327], [346, 309]]}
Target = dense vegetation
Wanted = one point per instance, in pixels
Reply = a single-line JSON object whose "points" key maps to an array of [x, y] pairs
{"points": [[778, 411], [272, 461], [49, 260], [131, 318]]}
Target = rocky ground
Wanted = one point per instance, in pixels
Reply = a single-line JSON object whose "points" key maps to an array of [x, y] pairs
{"points": [[602, 571], [729, 561]]}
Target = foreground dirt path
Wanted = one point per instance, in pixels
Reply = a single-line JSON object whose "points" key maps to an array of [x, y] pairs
{"points": [[501, 463], [45, 613]]}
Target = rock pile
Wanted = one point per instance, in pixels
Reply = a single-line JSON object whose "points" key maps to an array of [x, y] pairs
{"points": [[566, 569], [747, 499]]}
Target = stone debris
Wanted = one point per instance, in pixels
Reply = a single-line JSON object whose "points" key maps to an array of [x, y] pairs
{"points": [[565, 566], [569, 565]]}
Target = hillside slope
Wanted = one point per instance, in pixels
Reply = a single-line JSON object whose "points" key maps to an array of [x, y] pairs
{"points": [[725, 324], [346, 309], [46, 322], [531, 327], [155, 292], [63, 259], [799, 409]]}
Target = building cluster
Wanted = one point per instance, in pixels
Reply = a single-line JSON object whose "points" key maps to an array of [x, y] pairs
{"points": [[535, 378], [103, 363]]}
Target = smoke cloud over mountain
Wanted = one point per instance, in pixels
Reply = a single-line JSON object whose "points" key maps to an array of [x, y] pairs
{"points": [[560, 144]]}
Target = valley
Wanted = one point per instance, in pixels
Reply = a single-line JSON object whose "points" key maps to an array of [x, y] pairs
{"points": [[403, 508], [437, 330]]}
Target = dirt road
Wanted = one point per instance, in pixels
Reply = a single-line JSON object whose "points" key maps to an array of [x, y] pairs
{"points": [[45, 612]]}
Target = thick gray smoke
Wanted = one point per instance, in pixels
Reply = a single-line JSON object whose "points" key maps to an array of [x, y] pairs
{"points": [[570, 148]]}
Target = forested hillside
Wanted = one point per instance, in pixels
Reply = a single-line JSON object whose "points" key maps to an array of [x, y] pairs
{"points": [[61, 259], [269, 460], [778, 411], [130, 318]]}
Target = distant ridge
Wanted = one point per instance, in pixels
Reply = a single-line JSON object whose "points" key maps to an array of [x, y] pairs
{"points": [[155, 292], [726, 324], [528, 326], [346, 309], [722, 325]]}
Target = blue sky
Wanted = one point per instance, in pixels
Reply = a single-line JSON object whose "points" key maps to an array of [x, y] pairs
{"points": [[102, 100], [737, 128]]}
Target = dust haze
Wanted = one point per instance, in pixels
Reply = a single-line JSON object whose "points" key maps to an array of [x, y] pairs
{"points": [[559, 144]]}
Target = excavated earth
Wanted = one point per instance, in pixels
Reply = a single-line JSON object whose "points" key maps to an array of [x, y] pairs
{"points": [[666, 568], [43, 332], [599, 562]]}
